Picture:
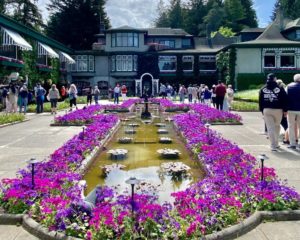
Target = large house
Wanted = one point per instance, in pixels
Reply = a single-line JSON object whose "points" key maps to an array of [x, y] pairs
{"points": [[142, 58]]}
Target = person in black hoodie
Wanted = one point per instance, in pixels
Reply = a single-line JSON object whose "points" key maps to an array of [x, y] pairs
{"points": [[273, 104]]}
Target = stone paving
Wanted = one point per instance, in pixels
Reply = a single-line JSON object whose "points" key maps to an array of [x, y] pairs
{"points": [[35, 138]]}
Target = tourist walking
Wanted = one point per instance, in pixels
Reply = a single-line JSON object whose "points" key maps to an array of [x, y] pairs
{"points": [[220, 95], [273, 104], [124, 92], [207, 96], [53, 97], [293, 93], [116, 94], [12, 99], [23, 98], [73, 96], [96, 94], [195, 94], [63, 93], [230, 96], [182, 92], [162, 90], [213, 95], [4, 95], [89, 96], [190, 91], [40, 93]]}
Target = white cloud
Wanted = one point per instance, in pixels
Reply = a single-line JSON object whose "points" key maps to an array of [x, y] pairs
{"points": [[135, 13]]}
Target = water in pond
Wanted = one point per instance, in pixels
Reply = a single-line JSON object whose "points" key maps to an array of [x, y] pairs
{"points": [[142, 160]]}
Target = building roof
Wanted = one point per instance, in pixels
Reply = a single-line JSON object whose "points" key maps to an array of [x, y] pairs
{"points": [[125, 28], [271, 36], [12, 24], [167, 32], [253, 30], [292, 24]]}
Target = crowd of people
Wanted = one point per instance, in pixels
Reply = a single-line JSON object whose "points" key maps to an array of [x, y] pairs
{"points": [[280, 105], [219, 96]]}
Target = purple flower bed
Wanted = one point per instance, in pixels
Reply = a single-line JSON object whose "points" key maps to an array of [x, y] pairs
{"points": [[206, 113], [87, 114], [231, 191], [79, 117]]}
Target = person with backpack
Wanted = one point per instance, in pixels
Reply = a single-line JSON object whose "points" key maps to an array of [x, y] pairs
{"points": [[273, 103], [96, 95], [40, 93]]}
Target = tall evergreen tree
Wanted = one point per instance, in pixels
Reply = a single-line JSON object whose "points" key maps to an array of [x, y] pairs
{"points": [[275, 10], [235, 14], [176, 14], [2, 6], [163, 18], [250, 19], [25, 12], [290, 8], [193, 19], [75, 22], [213, 20]]}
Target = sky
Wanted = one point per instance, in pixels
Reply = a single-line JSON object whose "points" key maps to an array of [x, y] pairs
{"points": [[142, 13]]}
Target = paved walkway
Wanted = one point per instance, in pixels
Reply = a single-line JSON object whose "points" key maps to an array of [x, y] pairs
{"points": [[36, 139]]}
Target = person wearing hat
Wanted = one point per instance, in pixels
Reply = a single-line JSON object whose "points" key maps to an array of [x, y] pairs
{"points": [[273, 104]]}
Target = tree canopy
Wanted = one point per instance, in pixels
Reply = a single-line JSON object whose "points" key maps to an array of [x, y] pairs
{"points": [[200, 17], [75, 22], [290, 8]]}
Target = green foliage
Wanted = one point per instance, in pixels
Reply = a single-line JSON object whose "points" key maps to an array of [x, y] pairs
{"points": [[29, 69], [55, 73], [200, 17], [244, 106], [290, 8], [10, 118], [226, 62], [244, 80], [80, 19], [235, 12], [24, 11], [225, 31], [247, 95], [47, 107], [14, 206]]}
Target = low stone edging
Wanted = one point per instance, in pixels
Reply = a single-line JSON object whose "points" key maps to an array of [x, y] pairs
{"points": [[252, 222], [226, 123], [229, 233]]}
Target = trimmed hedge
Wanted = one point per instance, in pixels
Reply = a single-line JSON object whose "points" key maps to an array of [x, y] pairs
{"points": [[247, 81]]}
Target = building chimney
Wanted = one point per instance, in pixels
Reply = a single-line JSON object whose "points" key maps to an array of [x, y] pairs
{"points": [[279, 17]]}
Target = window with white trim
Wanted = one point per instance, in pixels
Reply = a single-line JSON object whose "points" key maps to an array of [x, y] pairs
{"points": [[270, 59], [188, 63], [167, 63], [84, 63], [168, 43], [287, 59], [124, 63], [298, 34], [124, 39], [207, 63]]}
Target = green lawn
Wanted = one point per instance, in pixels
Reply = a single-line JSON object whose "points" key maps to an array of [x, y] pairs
{"points": [[244, 106], [247, 95], [47, 106], [11, 117]]}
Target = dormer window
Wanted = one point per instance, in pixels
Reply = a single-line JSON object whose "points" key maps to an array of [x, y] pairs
{"points": [[298, 34], [168, 43], [124, 39]]}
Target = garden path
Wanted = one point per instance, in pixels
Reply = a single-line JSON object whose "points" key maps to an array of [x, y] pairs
{"points": [[36, 139]]}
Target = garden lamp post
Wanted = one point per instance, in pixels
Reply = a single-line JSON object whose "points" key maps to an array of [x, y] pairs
{"points": [[262, 158], [132, 181], [83, 131], [32, 161], [207, 125]]}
